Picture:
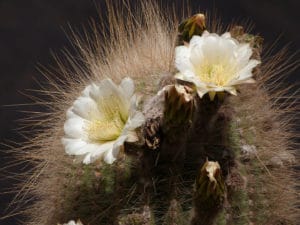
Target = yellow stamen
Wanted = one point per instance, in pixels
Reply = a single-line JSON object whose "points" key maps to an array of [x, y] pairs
{"points": [[105, 130], [217, 74], [109, 125]]}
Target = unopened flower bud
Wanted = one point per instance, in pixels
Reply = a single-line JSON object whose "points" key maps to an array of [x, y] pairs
{"points": [[194, 25]]}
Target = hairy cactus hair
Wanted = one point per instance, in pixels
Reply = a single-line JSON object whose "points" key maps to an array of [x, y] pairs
{"points": [[198, 161]]}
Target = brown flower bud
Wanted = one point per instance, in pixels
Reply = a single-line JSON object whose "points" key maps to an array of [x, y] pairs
{"points": [[194, 25]]}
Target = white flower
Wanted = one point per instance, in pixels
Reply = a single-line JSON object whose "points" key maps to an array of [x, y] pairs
{"points": [[101, 120], [215, 63], [72, 222]]}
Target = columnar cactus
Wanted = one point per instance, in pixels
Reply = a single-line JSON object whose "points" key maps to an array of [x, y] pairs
{"points": [[191, 138]]}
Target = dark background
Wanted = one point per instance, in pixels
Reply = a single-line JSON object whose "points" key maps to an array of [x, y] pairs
{"points": [[30, 28]]}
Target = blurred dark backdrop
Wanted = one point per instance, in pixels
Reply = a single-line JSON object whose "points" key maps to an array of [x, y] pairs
{"points": [[30, 29]]}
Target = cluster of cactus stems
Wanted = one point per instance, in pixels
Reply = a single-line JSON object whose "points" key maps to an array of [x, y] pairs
{"points": [[177, 174]]}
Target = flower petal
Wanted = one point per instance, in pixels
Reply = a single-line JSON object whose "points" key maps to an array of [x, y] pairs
{"points": [[135, 121], [182, 58], [215, 63], [102, 108], [117, 145], [74, 146], [85, 107], [246, 72], [110, 98], [111, 156], [101, 151], [74, 127], [127, 86]]}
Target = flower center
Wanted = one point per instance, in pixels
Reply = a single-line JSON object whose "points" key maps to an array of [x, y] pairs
{"points": [[109, 124], [108, 129], [217, 74]]}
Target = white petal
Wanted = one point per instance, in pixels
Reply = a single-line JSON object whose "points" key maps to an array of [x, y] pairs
{"points": [[197, 41], [226, 35], [85, 107], [128, 87], [134, 102], [182, 58], [74, 127], [201, 92], [74, 146], [231, 90], [219, 89], [91, 90], [88, 89], [245, 75], [196, 51], [244, 81], [113, 99], [71, 114], [209, 49], [101, 150], [118, 144], [199, 84], [243, 54], [135, 121], [185, 75], [87, 159], [108, 157], [205, 33]]}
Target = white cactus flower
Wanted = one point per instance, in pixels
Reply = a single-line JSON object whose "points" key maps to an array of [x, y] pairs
{"points": [[101, 120], [215, 63]]}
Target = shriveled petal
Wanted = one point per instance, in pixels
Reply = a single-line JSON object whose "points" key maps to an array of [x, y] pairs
{"points": [[132, 136]]}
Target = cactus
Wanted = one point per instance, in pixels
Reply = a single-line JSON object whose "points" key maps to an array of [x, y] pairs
{"points": [[198, 158]]}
